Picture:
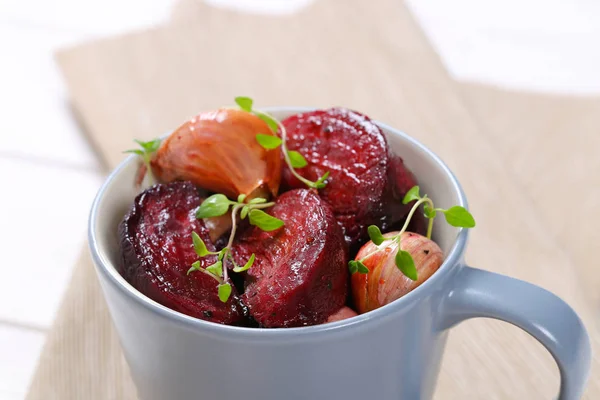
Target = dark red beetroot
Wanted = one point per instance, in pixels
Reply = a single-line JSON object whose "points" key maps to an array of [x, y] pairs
{"points": [[157, 251], [404, 181], [367, 182], [300, 276]]}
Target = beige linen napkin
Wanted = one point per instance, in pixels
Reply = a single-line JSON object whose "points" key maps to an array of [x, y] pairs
{"points": [[376, 60], [551, 145]]}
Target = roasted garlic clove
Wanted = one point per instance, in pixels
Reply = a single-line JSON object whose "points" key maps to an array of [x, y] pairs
{"points": [[385, 282], [218, 151]]}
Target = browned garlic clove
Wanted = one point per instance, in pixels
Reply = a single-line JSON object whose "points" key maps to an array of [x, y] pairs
{"points": [[218, 151], [385, 282]]}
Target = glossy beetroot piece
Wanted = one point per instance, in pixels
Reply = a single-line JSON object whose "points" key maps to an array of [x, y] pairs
{"points": [[157, 252], [367, 182], [404, 180], [300, 276]]}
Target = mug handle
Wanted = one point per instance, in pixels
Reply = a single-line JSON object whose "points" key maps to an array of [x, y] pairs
{"points": [[478, 293]]}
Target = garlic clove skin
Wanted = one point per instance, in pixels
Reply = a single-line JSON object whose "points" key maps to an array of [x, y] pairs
{"points": [[217, 150], [218, 226], [341, 314], [385, 282]]}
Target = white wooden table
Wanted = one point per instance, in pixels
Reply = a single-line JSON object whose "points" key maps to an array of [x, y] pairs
{"points": [[50, 174]]}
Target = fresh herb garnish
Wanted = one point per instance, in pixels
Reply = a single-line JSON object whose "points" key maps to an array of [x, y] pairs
{"points": [[358, 266], [215, 206], [269, 142], [245, 103], [246, 266], [146, 151], [406, 264], [264, 221], [199, 245], [224, 291], [375, 235], [456, 216], [292, 158], [297, 160]]}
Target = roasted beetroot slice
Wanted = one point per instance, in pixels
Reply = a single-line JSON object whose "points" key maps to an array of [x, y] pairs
{"points": [[367, 182], [300, 276], [157, 251]]}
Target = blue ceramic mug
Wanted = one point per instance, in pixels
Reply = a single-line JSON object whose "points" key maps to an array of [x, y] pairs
{"points": [[390, 353]]}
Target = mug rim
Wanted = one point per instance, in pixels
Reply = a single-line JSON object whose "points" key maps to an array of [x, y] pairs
{"points": [[109, 271]]}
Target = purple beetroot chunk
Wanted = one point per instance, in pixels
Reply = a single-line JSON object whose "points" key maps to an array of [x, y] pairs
{"points": [[300, 276], [367, 181], [157, 251]]}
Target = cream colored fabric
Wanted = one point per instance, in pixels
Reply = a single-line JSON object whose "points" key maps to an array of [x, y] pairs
{"points": [[551, 145], [82, 358], [510, 151]]}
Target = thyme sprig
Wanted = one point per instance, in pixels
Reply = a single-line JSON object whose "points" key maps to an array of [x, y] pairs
{"points": [[146, 151], [293, 159], [215, 206], [456, 216]]}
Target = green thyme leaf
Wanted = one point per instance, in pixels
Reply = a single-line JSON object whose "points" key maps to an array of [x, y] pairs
{"points": [[241, 198], [258, 200], [142, 144], [264, 221], [459, 216], [362, 268], [214, 206], [375, 234], [353, 266], [320, 183], [199, 245], [429, 211], [244, 212], [406, 264], [221, 254], [268, 142], [135, 151], [245, 103], [147, 148], [216, 269], [230, 258], [297, 159], [412, 194], [224, 292], [246, 266], [150, 146], [273, 125], [195, 267]]}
